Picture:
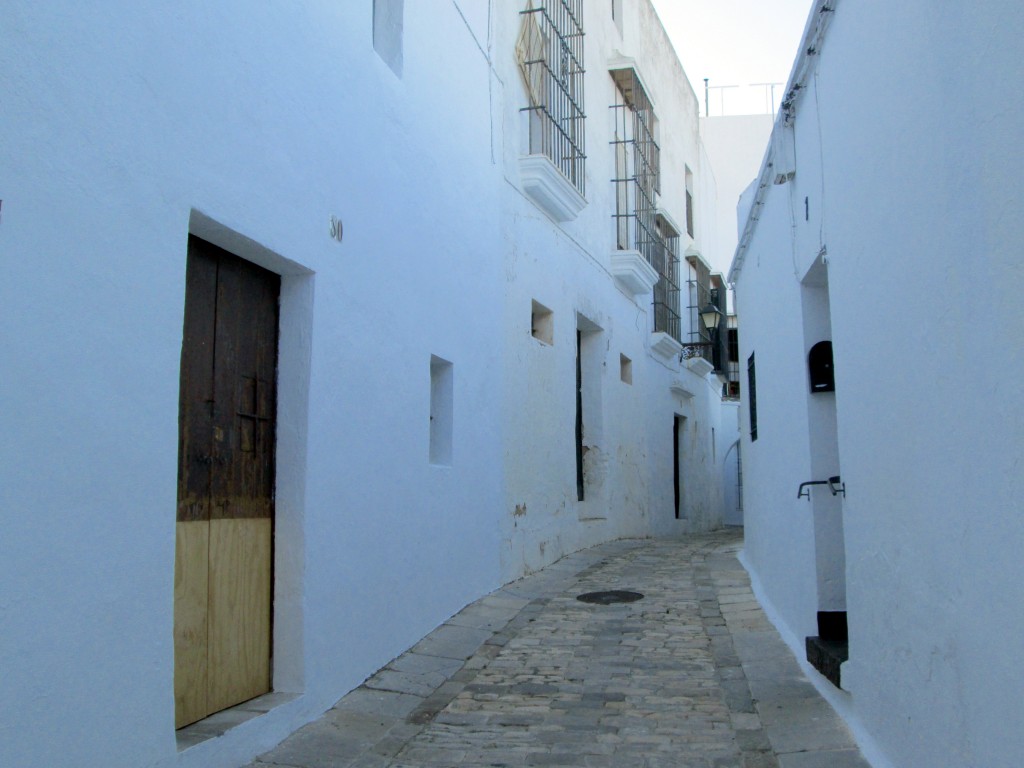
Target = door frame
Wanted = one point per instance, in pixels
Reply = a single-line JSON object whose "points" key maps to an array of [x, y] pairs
{"points": [[294, 361]]}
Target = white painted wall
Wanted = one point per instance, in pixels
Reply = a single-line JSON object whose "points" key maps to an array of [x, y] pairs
{"points": [[913, 189], [566, 267], [251, 127], [122, 123]]}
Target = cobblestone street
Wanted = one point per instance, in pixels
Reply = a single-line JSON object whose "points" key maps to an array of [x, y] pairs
{"points": [[693, 674]]}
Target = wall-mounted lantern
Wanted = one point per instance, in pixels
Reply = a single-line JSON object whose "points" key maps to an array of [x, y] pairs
{"points": [[819, 365], [710, 316]]}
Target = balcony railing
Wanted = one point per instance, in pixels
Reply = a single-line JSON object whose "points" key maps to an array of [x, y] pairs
{"points": [[699, 341]]}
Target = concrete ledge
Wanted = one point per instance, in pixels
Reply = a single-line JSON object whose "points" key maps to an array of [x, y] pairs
{"points": [[665, 347], [548, 188], [700, 366], [631, 270]]}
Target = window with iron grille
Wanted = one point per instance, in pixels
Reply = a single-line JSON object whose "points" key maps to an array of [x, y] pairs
{"points": [[732, 372], [550, 52], [637, 162], [666, 290], [699, 292]]}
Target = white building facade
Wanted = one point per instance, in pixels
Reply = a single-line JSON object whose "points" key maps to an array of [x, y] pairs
{"points": [[877, 284], [416, 363], [582, 262]]}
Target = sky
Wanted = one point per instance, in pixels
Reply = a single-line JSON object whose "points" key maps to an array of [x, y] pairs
{"points": [[735, 43]]}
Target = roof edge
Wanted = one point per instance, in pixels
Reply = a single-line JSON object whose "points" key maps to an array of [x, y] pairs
{"points": [[811, 43]]}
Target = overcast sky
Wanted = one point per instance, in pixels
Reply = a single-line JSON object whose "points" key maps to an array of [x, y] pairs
{"points": [[735, 42]]}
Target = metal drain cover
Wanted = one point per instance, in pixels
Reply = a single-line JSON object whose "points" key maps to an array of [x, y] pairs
{"points": [[610, 596]]}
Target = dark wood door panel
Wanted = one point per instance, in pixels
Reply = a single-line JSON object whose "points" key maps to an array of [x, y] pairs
{"points": [[245, 379], [196, 399]]}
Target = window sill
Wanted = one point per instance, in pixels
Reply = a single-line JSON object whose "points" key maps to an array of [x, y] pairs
{"points": [[700, 366], [665, 347], [549, 189], [631, 270]]}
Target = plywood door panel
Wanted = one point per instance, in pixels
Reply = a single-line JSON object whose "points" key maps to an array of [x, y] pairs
{"points": [[239, 634], [191, 585]]}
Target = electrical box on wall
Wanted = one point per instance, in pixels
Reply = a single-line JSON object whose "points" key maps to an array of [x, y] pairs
{"points": [[819, 364]]}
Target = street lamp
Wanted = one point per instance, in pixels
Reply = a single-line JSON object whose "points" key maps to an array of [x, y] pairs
{"points": [[710, 316]]}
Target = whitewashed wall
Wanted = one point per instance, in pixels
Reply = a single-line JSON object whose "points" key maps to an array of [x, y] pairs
{"points": [[566, 267], [913, 189], [123, 124], [127, 128]]}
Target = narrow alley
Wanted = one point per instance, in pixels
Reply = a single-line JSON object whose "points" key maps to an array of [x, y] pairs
{"points": [[691, 674]]}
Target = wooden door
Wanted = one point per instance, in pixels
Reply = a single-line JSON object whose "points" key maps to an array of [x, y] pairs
{"points": [[224, 530]]}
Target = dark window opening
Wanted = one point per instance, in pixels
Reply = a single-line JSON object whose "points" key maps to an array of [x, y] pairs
{"points": [[819, 364]]}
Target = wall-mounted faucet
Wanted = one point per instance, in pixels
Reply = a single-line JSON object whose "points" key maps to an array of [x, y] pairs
{"points": [[805, 491], [834, 485]]}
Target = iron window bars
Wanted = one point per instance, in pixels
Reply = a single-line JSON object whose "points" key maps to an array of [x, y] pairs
{"points": [[550, 52], [666, 290], [637, 162], [699, 291], [637, 184]]}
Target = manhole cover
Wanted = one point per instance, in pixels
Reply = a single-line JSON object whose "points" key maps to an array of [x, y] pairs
{"points": [[610, 596]]}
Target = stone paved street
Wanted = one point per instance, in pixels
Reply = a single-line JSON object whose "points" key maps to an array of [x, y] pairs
{"points": [[691, 675]]}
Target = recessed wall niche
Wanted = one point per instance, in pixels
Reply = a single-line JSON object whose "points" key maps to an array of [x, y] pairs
{"points": [[542, 323], [441, 411]]}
